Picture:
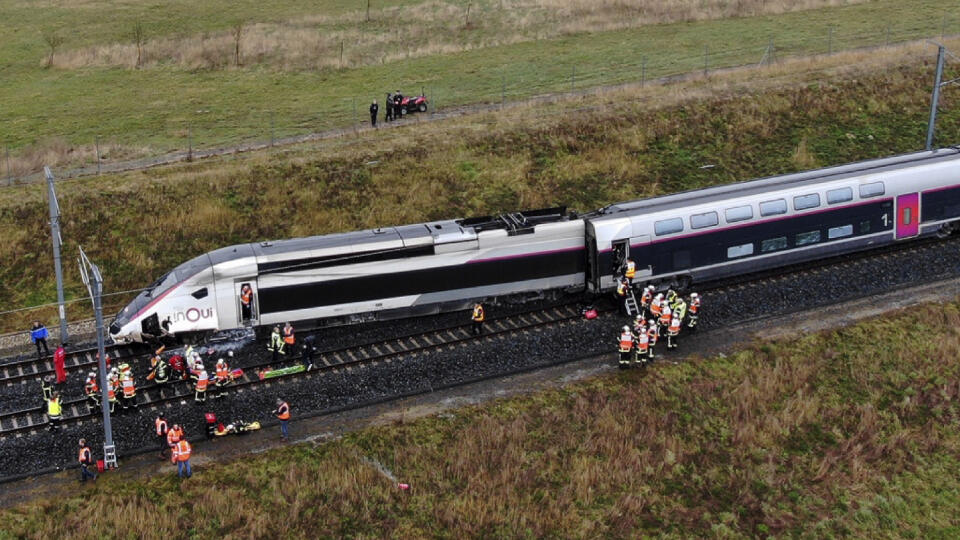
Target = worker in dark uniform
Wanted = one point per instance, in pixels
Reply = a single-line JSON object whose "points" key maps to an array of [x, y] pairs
{"points": [[374, 109], [397, 105], [46, 386], [309, 347], [388, 104], [478, 317], [276, 344]]}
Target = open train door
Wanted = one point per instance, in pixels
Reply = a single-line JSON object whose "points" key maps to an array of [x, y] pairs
{"points": [[908, 215], [245, 292]]}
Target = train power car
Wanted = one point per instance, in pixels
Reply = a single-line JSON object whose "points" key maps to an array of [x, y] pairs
{"points": [[675, 240]]}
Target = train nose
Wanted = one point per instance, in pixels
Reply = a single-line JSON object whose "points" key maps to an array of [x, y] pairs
{"points": [[115, 328]]}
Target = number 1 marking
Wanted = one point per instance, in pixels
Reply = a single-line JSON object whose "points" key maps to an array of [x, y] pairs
{"points": [[886, 220]]}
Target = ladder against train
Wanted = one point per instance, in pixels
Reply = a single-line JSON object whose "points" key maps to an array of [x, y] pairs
{"points": [[631, 303]]}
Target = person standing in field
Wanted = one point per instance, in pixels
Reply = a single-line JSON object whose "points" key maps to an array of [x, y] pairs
{"points": [[389, 106], [374, 109], [181, 456], [86, 460], [39, 335], [282, 412]]}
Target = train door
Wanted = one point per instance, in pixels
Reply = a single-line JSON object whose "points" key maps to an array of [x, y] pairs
{"points": [[247, 299], [621, 250], [908, 215]]}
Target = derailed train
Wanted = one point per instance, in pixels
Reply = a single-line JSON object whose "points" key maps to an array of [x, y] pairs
{"points": [[675, 240]]}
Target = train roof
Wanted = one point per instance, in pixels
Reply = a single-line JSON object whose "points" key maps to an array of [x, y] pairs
{"points": [[776, 183]]}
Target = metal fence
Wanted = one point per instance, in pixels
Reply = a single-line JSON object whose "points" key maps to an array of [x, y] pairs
{"points": [[204, 135]]}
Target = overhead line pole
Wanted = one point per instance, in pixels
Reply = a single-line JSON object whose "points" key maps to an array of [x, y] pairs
{"points": [[935, 100], [57, 244]]}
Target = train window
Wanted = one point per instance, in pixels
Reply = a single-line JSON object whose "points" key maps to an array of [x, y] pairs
{"points": [[840, 195], [839, 232], [864, 226], [906, 216], [200, 293], [773, 244], [805, 238], [802, 202], [740, 251], [871, 190], [773, 208], [738, 213], [668, 226], [699, 221]]}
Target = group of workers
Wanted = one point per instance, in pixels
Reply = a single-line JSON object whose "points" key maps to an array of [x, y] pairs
{"points": [[660, 316]]}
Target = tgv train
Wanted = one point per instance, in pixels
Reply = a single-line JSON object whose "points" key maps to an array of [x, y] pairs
{"points": [[675, 240]]}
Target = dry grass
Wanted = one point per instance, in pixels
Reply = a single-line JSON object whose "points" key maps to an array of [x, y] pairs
{"points": [[314, 42], [804, 437]]}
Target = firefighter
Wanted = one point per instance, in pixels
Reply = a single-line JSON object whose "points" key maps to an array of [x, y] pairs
{"points": [[694, 310], [113, 386], [222, 376], [639, 325], [92, 389], [85, 458], [478, 317], [276, 343], [630, 270], [680, 308], [646, 297], [656, 306], [54, 411], [665, 315], [201, 386], [673, 331], [625, 346], [128, 386], [671, 296], [623, 288], [246, 302], [288, 338], [642, 348], [46, 386], [160, 424], [159, 369], [652, 334]]}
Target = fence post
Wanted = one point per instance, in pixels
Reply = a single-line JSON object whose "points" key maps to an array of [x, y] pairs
{"points": [[643, 72], [356, 122], [773, 52], [189, 143], [503, 91], [341, 55], [830, 41], [368, 10], [943, 26], [706, 60], [96, 142], [9, 176], [273, 137], [573, 78], [886, 39]]}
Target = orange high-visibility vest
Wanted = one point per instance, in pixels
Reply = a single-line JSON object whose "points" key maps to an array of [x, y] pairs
{"points": [[223, 371], [478, 313], [631, 270], [84, 456], [646, 298], [246, 295], [655, 308], [161, 427], [283, 411], [129, 390], [91, 387], [665, 316], [288, 335], [694, 305], [173, 436], [653, 334], [674, 326], [626, 341], [643, 340], [181, 451], [202, 381]]}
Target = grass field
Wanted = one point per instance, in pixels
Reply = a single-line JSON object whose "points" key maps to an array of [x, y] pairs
{"points": [[848, 433], [621, 146], [522, 49]]}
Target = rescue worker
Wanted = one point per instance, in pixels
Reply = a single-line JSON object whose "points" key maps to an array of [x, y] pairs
{"points": [[694, 310], [128, 386], [665, 315], [673, 331], [159, 369], [85, 458], [625, 347], [282, 412], [630, 270], [642, 348], [645, 298], [201, 387], [246, 302], [113, 386], [680, 308], [181, 456], [92, 390], [622, 288], [478, 317], [222, 376], [54, 411], [639, 325], [309, 347], [288, 338], [389, 106], [397, 105], [59, 360], [653, 334], [173, 436], [276, 343], [374, 109], [39, 335], [656, 306], [46, 386], [178, 367], [106, 360], [160, 424], [671, 296]]}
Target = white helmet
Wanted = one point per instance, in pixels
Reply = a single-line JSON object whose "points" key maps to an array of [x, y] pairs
{"points": [[626, 328], [651, 321], [91, 374], [199, 365], [693, 295], [639, 318], [230, 354]]}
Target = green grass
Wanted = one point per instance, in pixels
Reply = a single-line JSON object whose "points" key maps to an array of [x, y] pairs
{"points": [[158, 108], [846, 433]]}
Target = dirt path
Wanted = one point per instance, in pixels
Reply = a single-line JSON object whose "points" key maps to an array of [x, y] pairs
{"points": [[330, 426]]}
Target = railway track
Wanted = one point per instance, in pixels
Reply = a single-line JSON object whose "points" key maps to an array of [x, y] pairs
{"points": [[33, 369], [28, 421]]}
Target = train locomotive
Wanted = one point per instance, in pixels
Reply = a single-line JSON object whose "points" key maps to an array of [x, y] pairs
{"points": [[675, 240]]}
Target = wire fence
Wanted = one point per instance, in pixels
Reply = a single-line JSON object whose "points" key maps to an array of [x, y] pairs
{"points": [[204, 134]]}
